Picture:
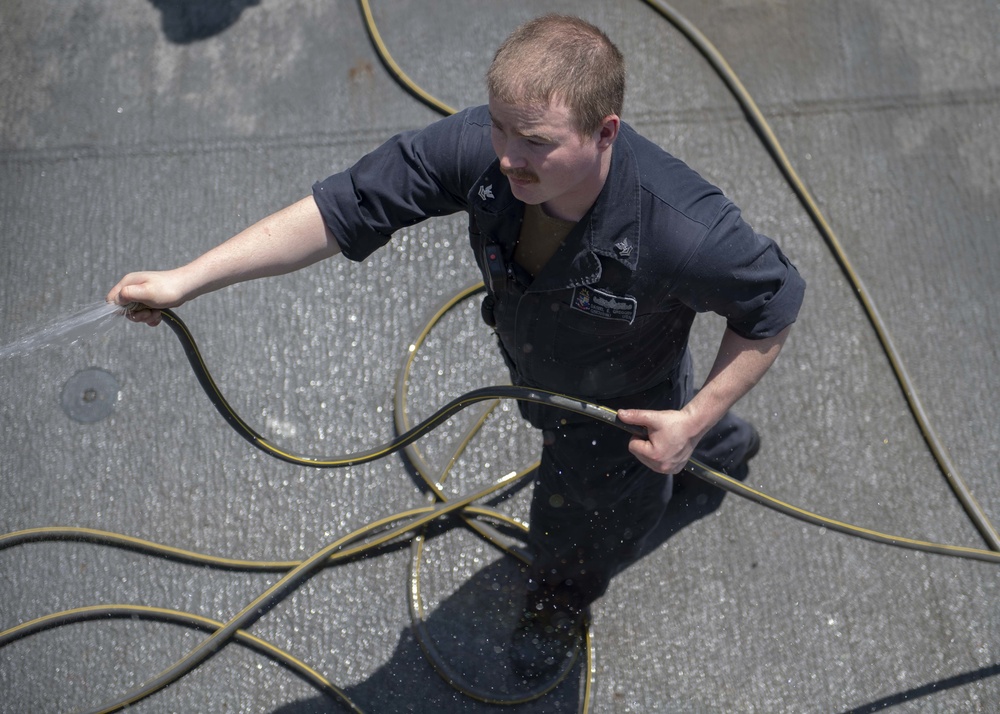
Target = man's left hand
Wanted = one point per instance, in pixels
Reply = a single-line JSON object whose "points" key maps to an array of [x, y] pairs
{"points": [[670, 439]]}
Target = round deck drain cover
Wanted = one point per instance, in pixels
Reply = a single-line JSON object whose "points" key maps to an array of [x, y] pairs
{"points": [[90, 395]]}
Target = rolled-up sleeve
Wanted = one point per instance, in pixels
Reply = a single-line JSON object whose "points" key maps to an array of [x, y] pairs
{"points": [[413, 176], [743, 276]]}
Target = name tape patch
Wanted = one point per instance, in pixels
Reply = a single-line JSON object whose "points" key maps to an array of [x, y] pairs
{"points": [[603, 304]]}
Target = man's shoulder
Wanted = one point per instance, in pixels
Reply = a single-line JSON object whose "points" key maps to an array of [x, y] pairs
{"points": [[474, 120], [659, 170], [668, 183], [470, 129], [478, 115]]}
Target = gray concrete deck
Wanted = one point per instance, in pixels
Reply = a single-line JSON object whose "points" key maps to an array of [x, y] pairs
{"points": [[137, 133]]}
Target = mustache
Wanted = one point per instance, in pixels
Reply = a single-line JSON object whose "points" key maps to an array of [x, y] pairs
{"points": [[520, 175]]}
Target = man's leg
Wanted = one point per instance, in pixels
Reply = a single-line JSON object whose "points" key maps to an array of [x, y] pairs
{"points": [[728, 446], [592, 508]]}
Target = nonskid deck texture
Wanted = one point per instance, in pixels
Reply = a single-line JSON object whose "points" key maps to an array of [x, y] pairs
{"points": [[136, 136]]}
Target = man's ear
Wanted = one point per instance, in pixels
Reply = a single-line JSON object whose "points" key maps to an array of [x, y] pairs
{"points": [[608, 131]]}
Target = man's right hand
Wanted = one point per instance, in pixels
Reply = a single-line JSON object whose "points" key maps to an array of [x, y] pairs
{"points": [[146, 293]]}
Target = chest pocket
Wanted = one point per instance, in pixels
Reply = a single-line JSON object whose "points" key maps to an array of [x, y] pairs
{"points": [[582, 338]]}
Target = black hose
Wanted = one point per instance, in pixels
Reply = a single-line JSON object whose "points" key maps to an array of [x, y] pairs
{"points": [[594, 411]]}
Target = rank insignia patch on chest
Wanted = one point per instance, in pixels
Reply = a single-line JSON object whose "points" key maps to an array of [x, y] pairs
{"points": [[603, 304]]}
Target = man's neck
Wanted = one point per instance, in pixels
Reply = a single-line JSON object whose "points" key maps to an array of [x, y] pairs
{"points": [[541, 236], [574, 206]]}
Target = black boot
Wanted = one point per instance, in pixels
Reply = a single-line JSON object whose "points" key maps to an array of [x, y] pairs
{"points": [[546, 636]]}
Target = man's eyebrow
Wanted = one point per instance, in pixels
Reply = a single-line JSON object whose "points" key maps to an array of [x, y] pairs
{"points": [[530, 135]]}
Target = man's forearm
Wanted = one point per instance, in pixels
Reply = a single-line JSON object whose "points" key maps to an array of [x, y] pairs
{"points": [[281, 243], [285, 241], [739, 365]]}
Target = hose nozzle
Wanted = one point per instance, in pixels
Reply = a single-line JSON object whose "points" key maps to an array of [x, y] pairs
{"points": [[131, 307]]}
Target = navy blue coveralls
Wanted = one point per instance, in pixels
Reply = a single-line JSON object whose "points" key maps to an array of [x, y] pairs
{"points": [[607, 319]]}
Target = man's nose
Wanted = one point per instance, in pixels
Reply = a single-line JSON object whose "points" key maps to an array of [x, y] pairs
{"points": [[510, 158]]}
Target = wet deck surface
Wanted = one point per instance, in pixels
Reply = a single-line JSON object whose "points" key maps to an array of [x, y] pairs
{"points": [[138, 134]]}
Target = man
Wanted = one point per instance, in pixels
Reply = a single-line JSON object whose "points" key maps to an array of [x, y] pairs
{"points": [[598, 248]]}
